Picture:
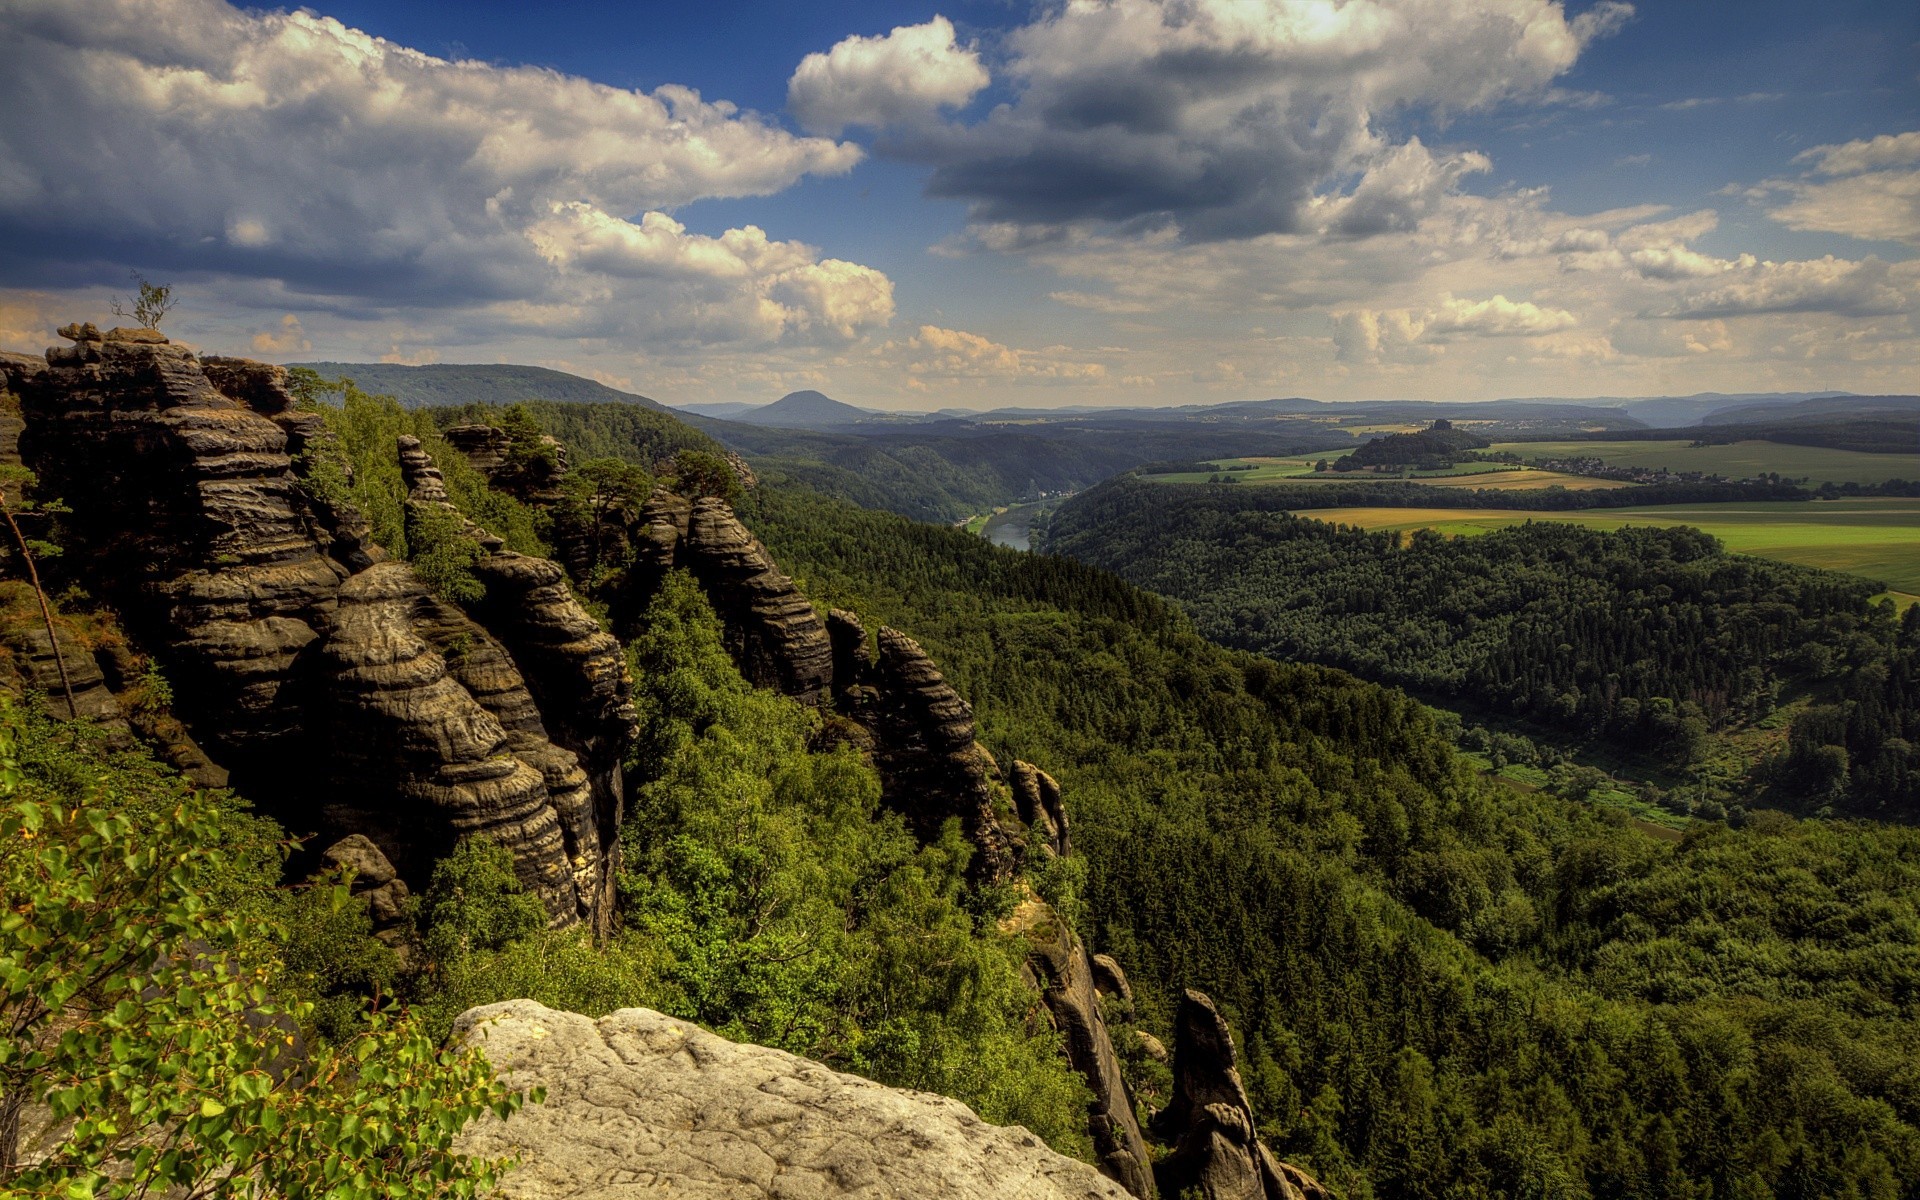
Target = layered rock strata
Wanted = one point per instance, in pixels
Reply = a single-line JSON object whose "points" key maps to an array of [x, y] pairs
{"points": [[1065, 976], [638, 1103], [771, 629], [1217, 1152], [1036, 797], [569, 683], [927, 755], [289, 640]]}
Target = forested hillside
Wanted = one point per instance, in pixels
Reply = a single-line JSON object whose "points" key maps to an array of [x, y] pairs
{"points": [[1442, 987], [1654, 638], [1445, 989]]}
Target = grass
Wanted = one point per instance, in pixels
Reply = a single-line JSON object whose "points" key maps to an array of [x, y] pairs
{"points": [[1497, 476], [1740, 460], [1875, 539]]}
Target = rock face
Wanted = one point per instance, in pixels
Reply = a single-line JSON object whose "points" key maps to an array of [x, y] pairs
{"points": [[571, 688], [1065, 975], [771, 629], [1216, 1151], [927, 755], [1036, 797], [640, 1104], [338, 690]]}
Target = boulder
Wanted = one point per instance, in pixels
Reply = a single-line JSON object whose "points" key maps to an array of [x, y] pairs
{"points": [[640, 1104]]}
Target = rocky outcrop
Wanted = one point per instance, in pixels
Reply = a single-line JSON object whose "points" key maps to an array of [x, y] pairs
{"points": [[573, 676], [1036, 797], [1217, 1152], [771, 629], [341, 693], [639, 1103], [929, 762], [1065, 976], [374, 883]]}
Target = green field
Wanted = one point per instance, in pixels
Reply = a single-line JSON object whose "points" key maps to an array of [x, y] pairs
{"points": [[1740, 460], [1875, 539], [1467, 474]]}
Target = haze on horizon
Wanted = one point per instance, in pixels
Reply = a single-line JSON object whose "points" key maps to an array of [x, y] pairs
{"points": [[976, 205]]}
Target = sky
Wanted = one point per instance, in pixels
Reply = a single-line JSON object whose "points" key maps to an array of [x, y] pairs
{"points": [[928, 205]]}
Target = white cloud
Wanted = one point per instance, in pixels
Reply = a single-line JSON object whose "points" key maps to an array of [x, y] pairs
{"points": [[1233, 120], [1868, 189], [365, 176], [935, 355], [1365, 335], [289, 338], [910, 74], [1869, 287], [1871, 154]]}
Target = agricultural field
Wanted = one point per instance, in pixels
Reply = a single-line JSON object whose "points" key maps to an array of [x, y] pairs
{"points": [[1739, 460], [1875, 539], [1491, 475]]}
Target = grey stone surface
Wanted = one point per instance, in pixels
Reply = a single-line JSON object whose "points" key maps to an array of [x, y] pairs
{"points": [[640, 1104]]}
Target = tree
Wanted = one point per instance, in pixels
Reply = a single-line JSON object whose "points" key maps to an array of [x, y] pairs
{"points": [[140, 1004], [699, 473], [150, 306]]}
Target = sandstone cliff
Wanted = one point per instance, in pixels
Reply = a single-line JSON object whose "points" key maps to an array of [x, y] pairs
{"points": [[333, 686], [642, 1104]]}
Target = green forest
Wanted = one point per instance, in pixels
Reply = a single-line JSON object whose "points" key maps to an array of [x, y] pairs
{"points": [[1655, 640], [1443, 987]]}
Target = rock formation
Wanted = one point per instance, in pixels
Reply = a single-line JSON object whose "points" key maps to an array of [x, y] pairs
{"points": [[1036, 797], [340, 693], [571, 684], [638, 1102], [927, 755], [1216, 1149], [1065, 976], [771, 629], [374, 883]]}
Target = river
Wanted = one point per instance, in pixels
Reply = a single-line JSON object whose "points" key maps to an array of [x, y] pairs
{"points": [[1011, 528]]}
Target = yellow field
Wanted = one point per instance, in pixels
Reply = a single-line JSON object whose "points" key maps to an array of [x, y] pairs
{"points": [[1522, 478], [1874, 539]]}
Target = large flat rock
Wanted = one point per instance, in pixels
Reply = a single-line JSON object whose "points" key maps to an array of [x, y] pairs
{"points": [[641, 1104]]}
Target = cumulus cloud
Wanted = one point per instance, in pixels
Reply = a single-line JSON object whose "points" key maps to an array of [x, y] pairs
{"points": [[1865, 189], [286, 146], [910, 74], [288, 338], [935, 355], [1364, 335], [1866, 288], [1233, 120]]}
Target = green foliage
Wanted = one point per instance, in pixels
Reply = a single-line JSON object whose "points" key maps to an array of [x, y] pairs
{"points": [[1442, 988], [369, 477], [784, 906], [634, 433], [475, 904], [141, 1003], [697, 473], [1655, 638], [442, 554], [600, 503], [149, 305]]}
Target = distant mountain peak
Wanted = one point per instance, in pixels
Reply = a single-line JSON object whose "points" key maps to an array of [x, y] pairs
{"points": [[806, 410]]}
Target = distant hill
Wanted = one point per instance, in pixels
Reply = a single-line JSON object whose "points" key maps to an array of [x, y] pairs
{"points": [[805, 410], [476, 383], [723, 409], [1820, 408]]}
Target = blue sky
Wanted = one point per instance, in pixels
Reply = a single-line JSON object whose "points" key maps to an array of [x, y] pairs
{"points": [[917, 206]]}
